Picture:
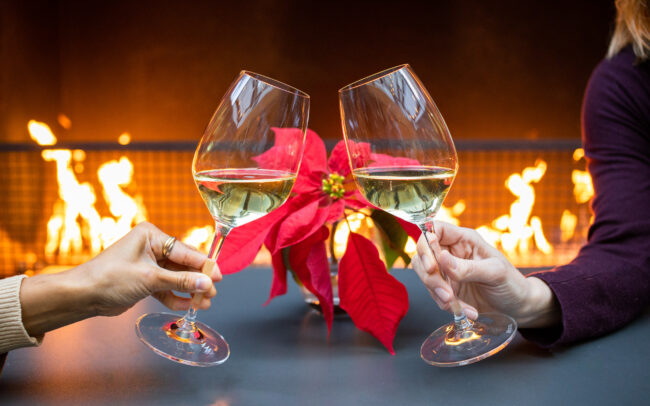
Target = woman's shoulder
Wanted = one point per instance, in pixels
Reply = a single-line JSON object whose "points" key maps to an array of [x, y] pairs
{"points": [[623, 71], [619, 90]]}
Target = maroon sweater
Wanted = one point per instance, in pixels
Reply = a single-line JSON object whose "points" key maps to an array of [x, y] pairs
{"points": [[608, 283]]}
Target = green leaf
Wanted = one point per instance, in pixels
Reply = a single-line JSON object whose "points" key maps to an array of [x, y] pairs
{"points": [[393, 237]]}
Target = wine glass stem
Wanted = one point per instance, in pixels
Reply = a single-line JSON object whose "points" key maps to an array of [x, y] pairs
{"points": [[460, 319], [220, 234]]}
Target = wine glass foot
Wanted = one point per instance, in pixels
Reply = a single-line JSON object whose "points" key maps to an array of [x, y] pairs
{"points": [[449, 347], [168, 336]]}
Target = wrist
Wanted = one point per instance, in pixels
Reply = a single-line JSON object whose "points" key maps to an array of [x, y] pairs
{"points": [[541, 308], [50, 301]]}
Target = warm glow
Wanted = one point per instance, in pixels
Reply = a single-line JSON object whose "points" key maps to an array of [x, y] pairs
{"points": [[516, 231], [540, 240], [41, 133], [127, 210], [359, 222], [468, 336], [77, 200], [450, 215], [411, 247], [64, 121], [75, 229], [568, 224], [578, 154], [124, 138], [583, 188], [199, 237]]}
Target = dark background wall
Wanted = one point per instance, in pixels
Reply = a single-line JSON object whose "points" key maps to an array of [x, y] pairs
{"points": [[496, 69]]}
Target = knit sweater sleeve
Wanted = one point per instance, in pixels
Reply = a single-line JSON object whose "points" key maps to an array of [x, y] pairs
{"points": [[12, 331]]}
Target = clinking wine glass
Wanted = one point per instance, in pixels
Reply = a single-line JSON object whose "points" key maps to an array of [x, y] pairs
{"points": [[404, 161], [242, 174]]}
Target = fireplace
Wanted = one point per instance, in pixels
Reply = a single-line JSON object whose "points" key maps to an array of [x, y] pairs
{"points": [[40, 230]]}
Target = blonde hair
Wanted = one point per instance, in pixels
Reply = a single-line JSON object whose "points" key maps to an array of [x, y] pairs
{"points": [[632, 27]]}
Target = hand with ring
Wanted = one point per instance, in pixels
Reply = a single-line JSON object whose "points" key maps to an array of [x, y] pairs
{"points": [[144, 262]]}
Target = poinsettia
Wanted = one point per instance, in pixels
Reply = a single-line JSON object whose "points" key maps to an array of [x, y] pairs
{"points": [[296, 233]]}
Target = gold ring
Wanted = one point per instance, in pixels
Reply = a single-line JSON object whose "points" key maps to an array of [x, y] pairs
{"points": [[167, 247]]}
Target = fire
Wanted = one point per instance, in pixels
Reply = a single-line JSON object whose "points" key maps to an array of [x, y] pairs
{"points": [[199, 237], [357, 222], [41, 133], [75, 229], [568, 224], [76, 200], [124, 138], [127, 210], [583, 187], [583, 191], [515, 231], [450, 215]]}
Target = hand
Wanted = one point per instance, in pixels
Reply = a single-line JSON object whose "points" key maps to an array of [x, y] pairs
{"points": [[123, 274], [482, 278]]}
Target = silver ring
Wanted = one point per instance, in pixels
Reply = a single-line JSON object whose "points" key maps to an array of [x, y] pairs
{"points": [[167, 247]]}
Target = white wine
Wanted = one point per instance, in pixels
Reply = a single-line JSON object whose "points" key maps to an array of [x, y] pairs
{"points": [[412, 193], [239, 196]]}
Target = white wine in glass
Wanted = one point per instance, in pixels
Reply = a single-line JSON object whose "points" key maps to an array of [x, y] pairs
{"points": [[404, 162], [242, 174]]}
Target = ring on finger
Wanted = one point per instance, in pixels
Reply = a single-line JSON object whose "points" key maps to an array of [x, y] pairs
{"points": [[168, 246]]}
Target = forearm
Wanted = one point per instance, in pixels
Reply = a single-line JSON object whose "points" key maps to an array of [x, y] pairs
{"points": [[50, 301]]}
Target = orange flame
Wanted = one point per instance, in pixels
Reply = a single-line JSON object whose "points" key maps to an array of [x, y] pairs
{"points": [[515, 231], [75, 219], [127, 211], [41, 133], [568, 224], [199, 237]]}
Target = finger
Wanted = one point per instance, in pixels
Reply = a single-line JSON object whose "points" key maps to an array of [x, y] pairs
{"points": [[180, 253], [445, 304], [172, 301], [209, 268], [470, 270], [192, 282], [426, 258], [470, 311], [204, 304], [439, 289], [449, 234]]}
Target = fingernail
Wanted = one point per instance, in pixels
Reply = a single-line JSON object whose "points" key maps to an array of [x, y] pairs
{"points": [[426, 261], [203, 283], [442, 294], [452, 263], [471, 313]]}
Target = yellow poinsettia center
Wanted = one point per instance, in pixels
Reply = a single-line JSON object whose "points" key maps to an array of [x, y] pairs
{"points": [[333, 186]]}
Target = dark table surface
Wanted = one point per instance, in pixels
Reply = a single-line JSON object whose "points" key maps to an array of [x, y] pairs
{"points": [[281, 355]]}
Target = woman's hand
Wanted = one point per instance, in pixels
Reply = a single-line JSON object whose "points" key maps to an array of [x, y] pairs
{"points": [[482, 278], [123, 274]]}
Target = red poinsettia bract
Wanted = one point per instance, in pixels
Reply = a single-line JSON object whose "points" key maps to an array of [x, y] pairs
{"points": [[324, 189]]}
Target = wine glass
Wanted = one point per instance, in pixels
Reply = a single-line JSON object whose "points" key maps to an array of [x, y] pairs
{"points": [[244, 168], [404, 161]]}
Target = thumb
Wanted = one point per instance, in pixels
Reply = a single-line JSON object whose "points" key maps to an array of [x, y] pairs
{"points": [[467, 270], [182, 281]]}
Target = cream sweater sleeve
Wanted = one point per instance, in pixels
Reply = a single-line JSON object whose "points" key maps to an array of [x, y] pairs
{"points": [[12, 331]]}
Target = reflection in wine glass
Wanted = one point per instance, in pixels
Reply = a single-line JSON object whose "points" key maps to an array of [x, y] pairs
{"points": [[404, 161], [244, 168]]}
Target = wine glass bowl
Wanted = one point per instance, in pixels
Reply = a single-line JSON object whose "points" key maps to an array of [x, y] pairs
{"points": [[244, 167], [404, 161]]}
